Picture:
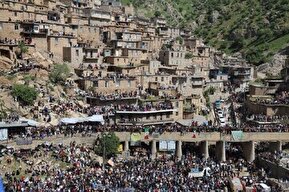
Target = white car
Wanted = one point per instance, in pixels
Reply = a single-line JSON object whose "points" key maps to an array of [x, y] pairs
{"points": [[222, 122], [220, 113]]}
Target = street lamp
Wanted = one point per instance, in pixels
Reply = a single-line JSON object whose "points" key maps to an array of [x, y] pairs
{"points": [[104, 136]]}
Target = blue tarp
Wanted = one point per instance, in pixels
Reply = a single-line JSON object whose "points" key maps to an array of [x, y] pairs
{"points": [[1, 185], [195, 170], [237, 135]]}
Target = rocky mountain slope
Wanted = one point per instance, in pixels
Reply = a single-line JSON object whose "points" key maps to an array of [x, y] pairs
{"points": [[256, 28]]}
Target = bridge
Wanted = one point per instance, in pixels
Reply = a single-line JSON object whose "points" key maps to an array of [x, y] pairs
{"points": [[204, 139]]}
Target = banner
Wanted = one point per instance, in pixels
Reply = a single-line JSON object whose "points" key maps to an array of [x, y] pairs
{"points": [[171, 145], [135, 137], [147, 132], [163, 146], [135, 143], [237, 135], [3, 134], [1, 185], [120, 148], [167, 145]]}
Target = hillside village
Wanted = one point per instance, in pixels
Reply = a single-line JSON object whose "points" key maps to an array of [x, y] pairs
{"points": [[118, 63], [95, 97]]}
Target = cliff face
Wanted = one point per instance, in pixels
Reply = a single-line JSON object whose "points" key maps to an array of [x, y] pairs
{"points": [[257, 29]]}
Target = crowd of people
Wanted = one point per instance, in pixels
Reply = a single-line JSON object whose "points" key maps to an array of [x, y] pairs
{"points": [[84, 173], [115, 96], [10, 41], [280, 99], [87, 130], [145, 107], [265, 118], [274, 157]]}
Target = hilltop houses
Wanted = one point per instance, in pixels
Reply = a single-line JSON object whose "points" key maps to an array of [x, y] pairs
{"points": [[118, 57]]}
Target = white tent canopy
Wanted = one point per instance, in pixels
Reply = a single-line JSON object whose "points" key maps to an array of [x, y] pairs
{"points": [[30, 122], [69, 120], [94, 118]]}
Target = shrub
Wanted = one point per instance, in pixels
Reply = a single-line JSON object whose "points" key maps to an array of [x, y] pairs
{"points": [[26, 95], [59, 73]]}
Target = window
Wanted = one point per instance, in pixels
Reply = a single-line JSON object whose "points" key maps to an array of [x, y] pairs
{"points": [[129, 83], [172, 54], [156, 78], [15, 14], [106, 84], [95, 83], [162, 78], [168, 116], [16, 27], [77, 52], [147, 117], [56, 40], [177, 113]]}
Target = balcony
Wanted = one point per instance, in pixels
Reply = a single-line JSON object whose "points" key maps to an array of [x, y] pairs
{"points": [[241, 73], [144, 122], [146, 112]]}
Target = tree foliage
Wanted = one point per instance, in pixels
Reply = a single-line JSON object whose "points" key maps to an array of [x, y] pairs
{"points": [[188, 55], [59, 73], [243, 26], [26, 95], [108, 144]]}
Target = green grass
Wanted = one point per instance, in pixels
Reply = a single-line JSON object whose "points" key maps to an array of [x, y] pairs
{"points": [[280, 43]]}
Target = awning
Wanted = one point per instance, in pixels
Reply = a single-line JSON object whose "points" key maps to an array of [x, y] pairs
{"points": [[30, 122], [69, 120], [94, 118]]}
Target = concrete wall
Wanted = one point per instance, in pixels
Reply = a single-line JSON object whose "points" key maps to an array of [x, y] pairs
{"points": [[56, 44], [73, 55], [110, 86], [7, 30]]}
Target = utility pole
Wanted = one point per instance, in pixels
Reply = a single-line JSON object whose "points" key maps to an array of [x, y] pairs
{"points": [[103, 155]]}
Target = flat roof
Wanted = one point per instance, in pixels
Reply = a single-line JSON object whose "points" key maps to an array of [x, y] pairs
{"points": [[145, 112], [13, 124]]}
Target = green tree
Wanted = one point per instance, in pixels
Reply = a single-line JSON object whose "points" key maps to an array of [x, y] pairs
{"points": [[188, 55], [180, 40], [26, 95], [23, 48], [157, 13], [59, 73], [107, 145]]}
